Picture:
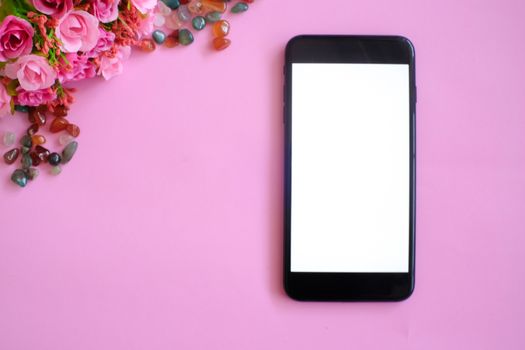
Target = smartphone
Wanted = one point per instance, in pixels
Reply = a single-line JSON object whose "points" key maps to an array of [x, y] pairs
{"points": [[349, 201]]}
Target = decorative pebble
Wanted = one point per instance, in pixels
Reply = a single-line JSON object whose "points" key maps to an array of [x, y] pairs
{"points": [[25, 149], [183, 13], [198, 22], [185, 37], [163, 9], [58, 124], [26, 161], [213, 16], [64, 139], [9, 138], [147, 45], [158, 36], [31, 117], [19, 177], [240, 7], [172, 40], [33, 129], [40, 119], [42, 153], [73, 130], [214, 5], [69, 152], [38, 139], [35, 159], [195, 7], [54, 159], [11, 156], [221, 43], [23, 109], [37, 116], [221, 28], [172, 21], [172, 4], [56, 170], [159, 20], [32, 173], [26, 141]]}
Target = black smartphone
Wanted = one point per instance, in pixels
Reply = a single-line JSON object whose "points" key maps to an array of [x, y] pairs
{"points": [[349, 201]]}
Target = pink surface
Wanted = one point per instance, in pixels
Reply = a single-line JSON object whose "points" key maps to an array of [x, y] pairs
{"points": [[165, 231]]}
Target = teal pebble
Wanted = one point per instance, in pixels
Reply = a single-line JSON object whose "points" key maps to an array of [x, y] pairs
{"points": [[23, 109], [240, 7], [185, 37], [26, 141], [198, 22], [172, 4], [158, 36], [213, 17], [26, 161], [19, 177]]}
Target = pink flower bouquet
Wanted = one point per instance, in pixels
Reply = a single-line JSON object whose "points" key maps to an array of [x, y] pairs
{"points": [[45, 44]]}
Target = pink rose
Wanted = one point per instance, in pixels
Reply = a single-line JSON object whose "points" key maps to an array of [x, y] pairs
{"points": [[79, 68], [34, 98], [144, 5], [16, 38], [106, 10], [5, 101], [33, 72], [104, 43], [55, 8], [109, 67], [146, 25], [78, 31]]}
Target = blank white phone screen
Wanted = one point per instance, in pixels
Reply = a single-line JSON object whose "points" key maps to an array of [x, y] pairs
{"points": [[350, 167]]}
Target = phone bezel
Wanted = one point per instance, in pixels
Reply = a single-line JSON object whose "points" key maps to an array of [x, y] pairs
{"points": [[348, 286]]}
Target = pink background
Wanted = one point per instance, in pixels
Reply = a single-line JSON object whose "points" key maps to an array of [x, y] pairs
{"points": [[165, 231]]}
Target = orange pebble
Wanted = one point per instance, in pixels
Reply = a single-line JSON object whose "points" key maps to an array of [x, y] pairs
{"points": [[172, 40], [196, 7], [221, 43], [221, 28], [58, 124], [147, 45], [38, 139], [214, 5], [73, 130]]}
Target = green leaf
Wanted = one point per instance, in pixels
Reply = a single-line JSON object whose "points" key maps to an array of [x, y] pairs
{"points": [[7, 8], [18, 8], [59, 89], [11, 87]]}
